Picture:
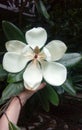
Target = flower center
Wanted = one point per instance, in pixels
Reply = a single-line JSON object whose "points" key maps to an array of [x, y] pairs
{"points": [[36, 56], [36, 51]]}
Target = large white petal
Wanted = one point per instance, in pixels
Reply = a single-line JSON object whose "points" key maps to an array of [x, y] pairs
{"points": [[54, 73], [32, 76], [13, 62], [54, 50], [36, 37], [15, 46]]}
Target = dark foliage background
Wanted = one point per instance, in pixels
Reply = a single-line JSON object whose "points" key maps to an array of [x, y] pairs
{"points": [[63, 21]]}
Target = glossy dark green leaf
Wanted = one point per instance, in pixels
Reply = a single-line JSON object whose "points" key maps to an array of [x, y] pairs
{"points": [[15, 77], [42, 9], [52, 95], [3, 73], [68, 87], [12, 32], [71, 59], [59, 90], [11, 90], [13, 126], [44, 100]]}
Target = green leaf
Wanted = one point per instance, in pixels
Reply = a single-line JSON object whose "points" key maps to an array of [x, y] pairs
{"points": [[52, 95], [44, 100], [59, 90], [12, 32], [42, 9], [3, 73], [15, 77], [68, 87], [71, 59], [13, 126], [12, 89]]}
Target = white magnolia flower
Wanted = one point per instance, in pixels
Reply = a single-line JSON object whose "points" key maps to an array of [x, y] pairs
{"points": [[39, 62]]}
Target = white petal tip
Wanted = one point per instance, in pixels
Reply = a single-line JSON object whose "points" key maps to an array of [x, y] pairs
{"points": [[31, 88]]}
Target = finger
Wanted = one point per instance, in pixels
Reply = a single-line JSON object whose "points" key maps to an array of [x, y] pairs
{"points": [[42, 85], [27, 92]]}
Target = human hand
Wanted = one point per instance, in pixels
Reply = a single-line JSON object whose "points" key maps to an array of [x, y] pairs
{"points": [[13, 111], [24, 96]]}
